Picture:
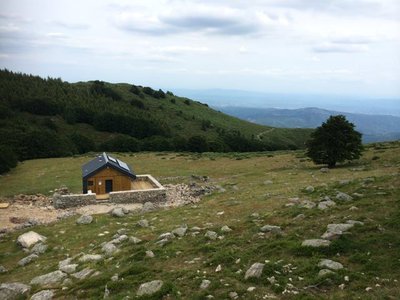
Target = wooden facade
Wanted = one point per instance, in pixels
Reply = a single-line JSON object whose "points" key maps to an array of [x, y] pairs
{"points": [[108, 178]]}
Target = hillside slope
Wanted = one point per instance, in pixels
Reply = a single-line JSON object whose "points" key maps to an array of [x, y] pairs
{"points": [[247, 199], [374, 128], [50, 118]]}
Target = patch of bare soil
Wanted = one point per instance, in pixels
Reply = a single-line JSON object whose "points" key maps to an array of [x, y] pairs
{"points": [[28, 210]]}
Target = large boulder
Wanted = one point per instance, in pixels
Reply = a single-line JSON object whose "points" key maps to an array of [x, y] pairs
{"points": [[14, 290], [149, 288], [50, 279], [30, 238], [254, 271], [117, 212]]}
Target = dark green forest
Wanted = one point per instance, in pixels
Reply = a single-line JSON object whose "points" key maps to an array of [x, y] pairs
{"points": [[49, 117]]}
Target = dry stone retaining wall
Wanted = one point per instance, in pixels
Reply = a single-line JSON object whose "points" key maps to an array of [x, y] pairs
{"points": [[72, 200]]}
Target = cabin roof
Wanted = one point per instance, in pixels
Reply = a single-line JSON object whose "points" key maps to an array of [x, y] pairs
{"points": [[102, 161]]}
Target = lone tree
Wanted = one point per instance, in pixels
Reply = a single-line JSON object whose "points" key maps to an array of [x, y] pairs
{"points": [[334, 141]]}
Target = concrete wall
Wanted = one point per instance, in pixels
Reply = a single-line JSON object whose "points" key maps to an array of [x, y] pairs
{"points": [[72, 200]]}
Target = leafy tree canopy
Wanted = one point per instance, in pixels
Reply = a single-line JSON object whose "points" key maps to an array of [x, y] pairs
{"points": [[334, 141]]}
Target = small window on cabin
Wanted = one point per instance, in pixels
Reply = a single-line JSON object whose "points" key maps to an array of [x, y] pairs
{"points": [[90, 182]]}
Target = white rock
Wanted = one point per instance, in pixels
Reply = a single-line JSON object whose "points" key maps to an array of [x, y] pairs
{"points": [[205, 284], [254, 271], [343, 197], [149, 253], [309, 189], [69, 268], [218, 269], [50, 279], [84, 219], [43, 295], [109, 249], [316, 243], [143, 223], [225, 229], [14, 290], [324, 272], [83, 274], [149, 288], [135, 240], [91, 258], [181, 231], [330, 264], [212, 235], [251, 288], [271, 228], [326, 204], [30, 238]]}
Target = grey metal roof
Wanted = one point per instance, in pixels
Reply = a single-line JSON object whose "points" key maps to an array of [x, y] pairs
{"points": [[102, 161]]}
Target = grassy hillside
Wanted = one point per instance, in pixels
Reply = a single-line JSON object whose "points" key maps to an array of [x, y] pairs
{"points": [[258, 189], [51, 118]]}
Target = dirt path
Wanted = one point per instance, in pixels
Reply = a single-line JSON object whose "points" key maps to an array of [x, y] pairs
{"points": [[258, 136]]}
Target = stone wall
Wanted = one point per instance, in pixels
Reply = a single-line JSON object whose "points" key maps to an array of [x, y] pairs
{"points": [[72, 200], [140, 196]]}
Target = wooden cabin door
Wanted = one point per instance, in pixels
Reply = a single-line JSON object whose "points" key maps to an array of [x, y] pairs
{"points": [[109, 185]]}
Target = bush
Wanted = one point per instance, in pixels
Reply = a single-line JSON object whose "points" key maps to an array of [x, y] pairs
{"points": [[121, 144], [197, 143], [82, 143], [8, 159], [99, 88], [137, 103]]}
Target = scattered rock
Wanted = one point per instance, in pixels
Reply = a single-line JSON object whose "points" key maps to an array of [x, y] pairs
{"points": [[109, 249], [225, 229], [299, 217], [344, 182], [30, 238], [135, 240], [90, 258], [149, 253], [114, 277], [218, 268], [49, 280], [43, 295], [267, 182], [117, 212], [271, 228], [233, 295], [342, 286], [64, 262], [82, 274], [205, 284], [316, 243], [307, 204], [3, 269], [343, 196], [27, 260], [330, 264], [148, 206], [14, 290], [181, 231], [143, 223], [119, 239], [166, 235], [69, 269], [212, 235], [309, 189], [149, 288], [324, 170], [354, 222], [353, 208], [254, 271], [84, 219], [326, 204], [39, 248], [325, 272]]}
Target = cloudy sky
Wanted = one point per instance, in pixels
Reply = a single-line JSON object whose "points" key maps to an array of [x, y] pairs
{"points": [[349, 47]]}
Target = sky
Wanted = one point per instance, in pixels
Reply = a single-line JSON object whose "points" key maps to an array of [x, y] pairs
{"points": [[334, 47]]}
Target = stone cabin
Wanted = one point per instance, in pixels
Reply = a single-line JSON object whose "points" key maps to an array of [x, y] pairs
{"points": [[105, 174]]}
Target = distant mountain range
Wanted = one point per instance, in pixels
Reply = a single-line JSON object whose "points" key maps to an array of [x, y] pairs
{"points": [[374, 128]]}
